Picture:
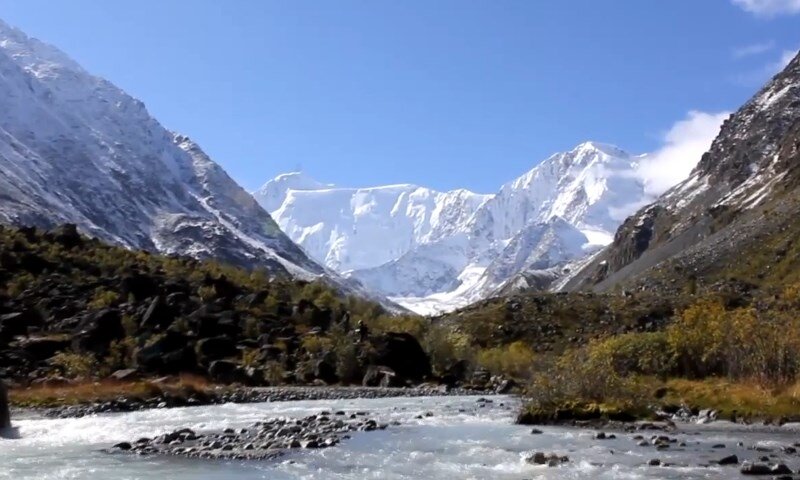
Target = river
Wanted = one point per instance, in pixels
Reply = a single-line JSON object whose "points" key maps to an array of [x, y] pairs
{"points": [[461, 440]]}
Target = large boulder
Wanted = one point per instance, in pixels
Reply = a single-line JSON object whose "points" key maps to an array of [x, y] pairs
{"points": [[139, 285], [19, 323], [96, 332], [403, 354], [67, 235], [325, 370], [5, 413], [42, 348], [216, 348], [170, 353], [158, 314], [381, 376], [225, 371]]}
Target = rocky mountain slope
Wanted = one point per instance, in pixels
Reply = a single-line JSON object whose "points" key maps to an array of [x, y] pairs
{"points": [[735, 216], [75, 148], [76, 308], [433, 251]]}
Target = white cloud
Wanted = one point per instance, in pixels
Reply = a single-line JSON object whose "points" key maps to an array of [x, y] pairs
{"points": [[769, 8], [683, 145], [753, 49], [761, 74], [786, 57]]}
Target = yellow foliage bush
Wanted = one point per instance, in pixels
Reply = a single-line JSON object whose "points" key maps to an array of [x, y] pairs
{"points": [[515, 360], [633, 353], [75, 365], [316, 345], [103, 299]]}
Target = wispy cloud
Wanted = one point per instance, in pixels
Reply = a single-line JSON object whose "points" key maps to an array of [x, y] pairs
{"points": [[769, 8], [763, 73], [753, 49], [786, 57], [683, 145]]}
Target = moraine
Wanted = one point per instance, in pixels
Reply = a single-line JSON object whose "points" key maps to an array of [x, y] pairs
{"points": [[432, 438]]}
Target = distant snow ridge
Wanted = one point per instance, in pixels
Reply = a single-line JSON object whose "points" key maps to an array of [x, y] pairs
{"points": [[75, 148], [434, 251]]}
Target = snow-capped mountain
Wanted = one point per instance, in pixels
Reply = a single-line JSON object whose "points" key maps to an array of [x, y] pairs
{"points": [[75, 148], [433, 251], [359, 228]]}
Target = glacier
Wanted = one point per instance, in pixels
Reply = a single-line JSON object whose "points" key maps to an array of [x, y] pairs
{"points": [[433, 251]]}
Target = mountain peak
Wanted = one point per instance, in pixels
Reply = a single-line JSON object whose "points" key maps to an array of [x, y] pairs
{"points": [[34, 55], [272, 194], [592, 148]]}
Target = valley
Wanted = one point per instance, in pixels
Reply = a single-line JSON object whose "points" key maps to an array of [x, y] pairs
{"points": [[158, 318]]}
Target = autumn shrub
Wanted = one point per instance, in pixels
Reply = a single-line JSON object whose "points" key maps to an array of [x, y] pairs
{"points": [[274, 373], [412, 324], [348, 367], [75, 365], [741, 343], [251, 357], [446, 346], [103, 299], [515, 360], [634, 353], [121, 354], [316, 344], [577, 377]]}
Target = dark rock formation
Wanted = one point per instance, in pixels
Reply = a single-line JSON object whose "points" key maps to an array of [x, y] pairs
{"points": [[5, 413], [401, 353]]}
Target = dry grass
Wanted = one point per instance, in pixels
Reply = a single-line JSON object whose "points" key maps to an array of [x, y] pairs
{"points": [[104, 390], [742, 399]]}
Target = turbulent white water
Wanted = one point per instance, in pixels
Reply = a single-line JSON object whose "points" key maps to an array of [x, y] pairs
{"points": [[460, 441]]}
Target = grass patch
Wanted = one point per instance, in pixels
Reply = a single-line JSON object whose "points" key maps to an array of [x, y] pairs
{"points": [[732, 400], [736, 400], [86, 392]]}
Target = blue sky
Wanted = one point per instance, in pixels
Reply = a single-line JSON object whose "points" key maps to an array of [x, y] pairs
{"points": [[441, 93]]}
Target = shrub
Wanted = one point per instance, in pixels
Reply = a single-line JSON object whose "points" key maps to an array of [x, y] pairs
{"points": [[634, 353], [445, 347], [75, 365], [274, 372], [103, 299], [121, 354], [576, 377], [347, 365], [741, 343], [316, 344], [515, 360], [250, 357]]}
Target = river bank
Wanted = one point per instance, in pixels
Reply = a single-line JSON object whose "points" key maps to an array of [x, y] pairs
{"points": [[435, 438], [79, 400]]}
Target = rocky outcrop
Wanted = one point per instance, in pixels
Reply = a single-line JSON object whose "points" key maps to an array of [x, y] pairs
{"points": [[402, 354], [5, 413], [741, 198]]}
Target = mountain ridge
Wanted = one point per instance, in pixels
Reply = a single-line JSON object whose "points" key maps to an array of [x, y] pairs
{"points": [[741, 196], [450, 239], [76, 149]]}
